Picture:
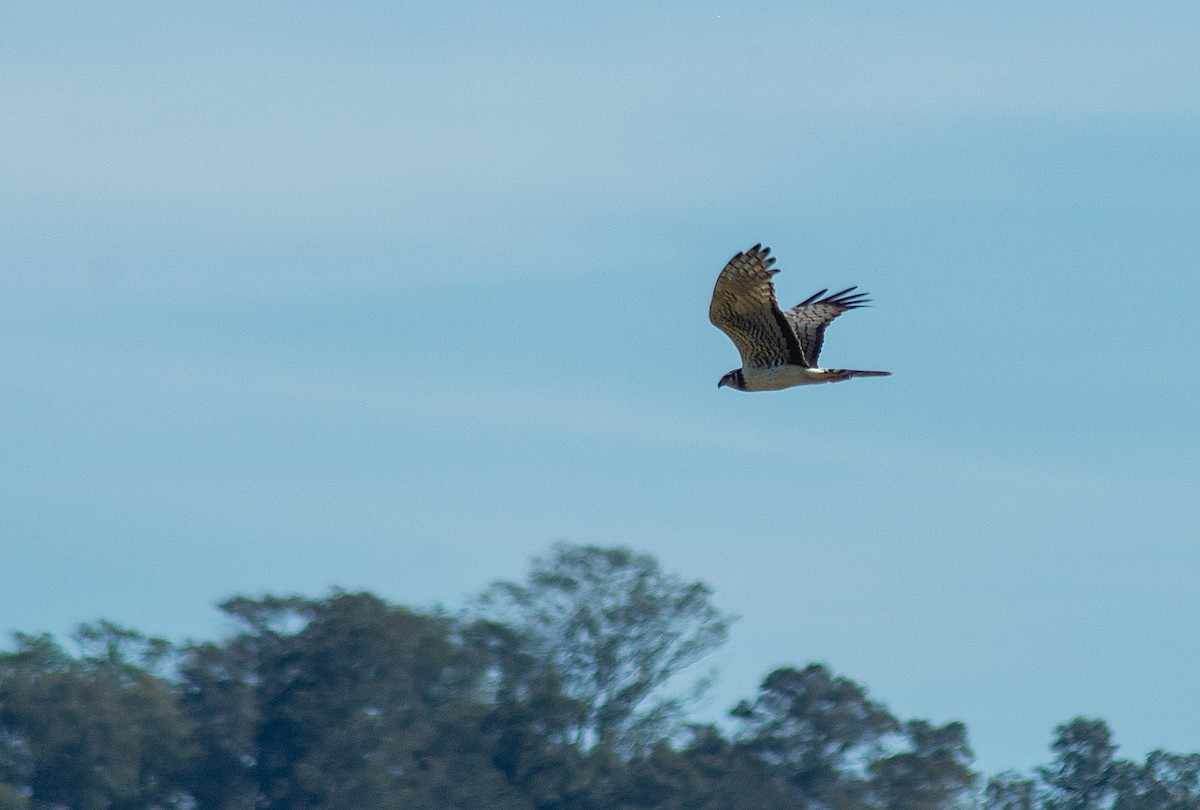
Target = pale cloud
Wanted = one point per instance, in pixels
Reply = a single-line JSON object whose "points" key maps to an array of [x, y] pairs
{"points": [[285, 135]]}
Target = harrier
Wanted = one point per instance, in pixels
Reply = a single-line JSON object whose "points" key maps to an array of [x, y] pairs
{"points": [[779, 349]]}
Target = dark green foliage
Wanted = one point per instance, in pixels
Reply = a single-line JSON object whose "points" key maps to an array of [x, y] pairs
{"points": [[91, 731], [931, 771], [348, 702], [1086, 774], [1164, 782], [528, 718], [733, 775], [11, 799], [1083, 774], [818, 731], [1010, 791], [834, 747], [614, 628], [341, 703]]}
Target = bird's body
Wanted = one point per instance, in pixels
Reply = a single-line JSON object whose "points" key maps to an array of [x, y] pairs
{"points": [[777, 378], [779, 349]]}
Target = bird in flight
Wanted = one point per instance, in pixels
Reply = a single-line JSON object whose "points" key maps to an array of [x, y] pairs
{"points": [[779, 349]]}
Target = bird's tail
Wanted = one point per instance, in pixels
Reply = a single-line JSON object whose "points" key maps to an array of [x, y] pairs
{"points": [[839, 374]]}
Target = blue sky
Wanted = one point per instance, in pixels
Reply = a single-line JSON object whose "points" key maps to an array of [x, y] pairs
{"points": [[394, 296]]}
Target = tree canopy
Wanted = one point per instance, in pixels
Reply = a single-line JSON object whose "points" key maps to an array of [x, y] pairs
{"points": [[615, 629], [558, 693]]}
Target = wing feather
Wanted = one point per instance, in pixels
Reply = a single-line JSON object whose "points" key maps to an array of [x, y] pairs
{"points": [[744, 308], [810, 317]]}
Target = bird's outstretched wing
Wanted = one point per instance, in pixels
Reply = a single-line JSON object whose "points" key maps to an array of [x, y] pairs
{"points": [[744, 307], [809, 318]]}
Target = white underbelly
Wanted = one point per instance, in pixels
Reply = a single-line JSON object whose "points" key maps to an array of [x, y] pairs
{"points": [[779, 377]]}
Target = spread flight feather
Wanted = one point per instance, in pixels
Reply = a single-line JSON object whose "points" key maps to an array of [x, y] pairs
{"points": [[770, 339]]}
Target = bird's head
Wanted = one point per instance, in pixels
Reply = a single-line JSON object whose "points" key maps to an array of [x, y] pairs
{"points": [[734, 379]]}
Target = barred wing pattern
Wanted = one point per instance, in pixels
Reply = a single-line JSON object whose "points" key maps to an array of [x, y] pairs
{"points": [[810, 317], [744, 308]]}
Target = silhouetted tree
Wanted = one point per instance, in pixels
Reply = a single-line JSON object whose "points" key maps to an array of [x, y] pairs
{"points": [[1010, 791], [341, 703], [615, 628], [529, 718], [224, 688], [1086, 774], [1164, 782], [735, 776], [1083, 774], [819, 731], [932, 772], [94, 731], [557, 698]]}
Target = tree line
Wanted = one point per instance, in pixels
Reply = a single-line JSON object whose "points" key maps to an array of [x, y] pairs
{"points": [[561, 692]]}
